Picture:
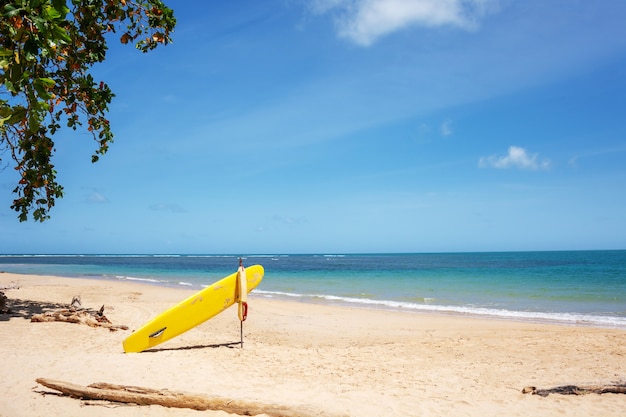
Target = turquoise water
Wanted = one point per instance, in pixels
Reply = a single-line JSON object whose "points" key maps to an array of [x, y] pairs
{"points": [[583, 287]]}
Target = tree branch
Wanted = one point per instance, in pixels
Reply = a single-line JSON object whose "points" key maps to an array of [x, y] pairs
{"points": [[174, 399], [577, 390]]}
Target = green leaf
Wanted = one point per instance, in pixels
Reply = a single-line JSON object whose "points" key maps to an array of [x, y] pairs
{"points": [[4, 119], [60, 34], [47, 82], [10, 87], [11, 11], [61, 7], [42, 85], [51, 12], [43, 104], [17, 114], [34, 122]]}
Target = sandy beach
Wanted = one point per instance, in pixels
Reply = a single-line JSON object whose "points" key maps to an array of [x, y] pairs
{"points": [[328, 360]]}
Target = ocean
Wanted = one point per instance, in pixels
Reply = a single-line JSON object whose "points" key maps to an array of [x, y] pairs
{"points": [[567, 287]]}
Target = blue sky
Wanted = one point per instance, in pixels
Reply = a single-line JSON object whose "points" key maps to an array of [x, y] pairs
{"points": [[336, 126]]}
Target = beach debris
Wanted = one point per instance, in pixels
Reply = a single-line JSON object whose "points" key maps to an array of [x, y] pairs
{"points": [[619, 388], [174, 399], [3, 304], [76, 303], [4, 308], [75, 313], [13, 286]]}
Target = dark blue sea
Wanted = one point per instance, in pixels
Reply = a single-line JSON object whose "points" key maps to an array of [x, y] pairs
{"points": [[570, 287]]}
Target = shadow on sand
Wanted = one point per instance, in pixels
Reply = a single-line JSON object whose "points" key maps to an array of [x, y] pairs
{"points": [[230, 345], [25, 309]]}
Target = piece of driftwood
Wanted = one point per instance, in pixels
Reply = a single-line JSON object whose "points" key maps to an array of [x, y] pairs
{"points": [[76, 314], [577, 390], [173, 399]]}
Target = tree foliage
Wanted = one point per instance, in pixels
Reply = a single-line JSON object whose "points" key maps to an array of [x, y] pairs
{"points": [[47, 48]]}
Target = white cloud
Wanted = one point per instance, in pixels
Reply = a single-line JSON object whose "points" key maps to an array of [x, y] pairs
{"points": [[516, 158], [446, 128], [289, 220], [174, 208], [364, 21], [96, 198]]}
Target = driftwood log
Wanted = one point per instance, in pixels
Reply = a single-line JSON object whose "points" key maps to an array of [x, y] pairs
{"points": [[577, 390], [173, 399], [76, 314]]}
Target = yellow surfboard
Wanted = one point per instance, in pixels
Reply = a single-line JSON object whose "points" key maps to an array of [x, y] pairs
{"points": [[193, 311]]}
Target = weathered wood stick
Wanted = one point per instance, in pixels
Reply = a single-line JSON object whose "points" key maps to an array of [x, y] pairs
{"points": [[576, 390], [173, 399], [80, 316]]}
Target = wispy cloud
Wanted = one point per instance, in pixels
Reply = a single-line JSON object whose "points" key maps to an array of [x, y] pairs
{"points": [[446, 128], [365, 21], [96, 197], [516, 158], [289, 219], [174, 208], [595, 153]]}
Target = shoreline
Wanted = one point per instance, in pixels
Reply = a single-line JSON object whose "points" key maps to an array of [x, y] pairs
{"points": [[538, 317], [339, 360]]}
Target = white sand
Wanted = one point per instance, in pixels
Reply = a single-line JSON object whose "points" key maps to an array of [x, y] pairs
{"points": [[338, 360]]}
